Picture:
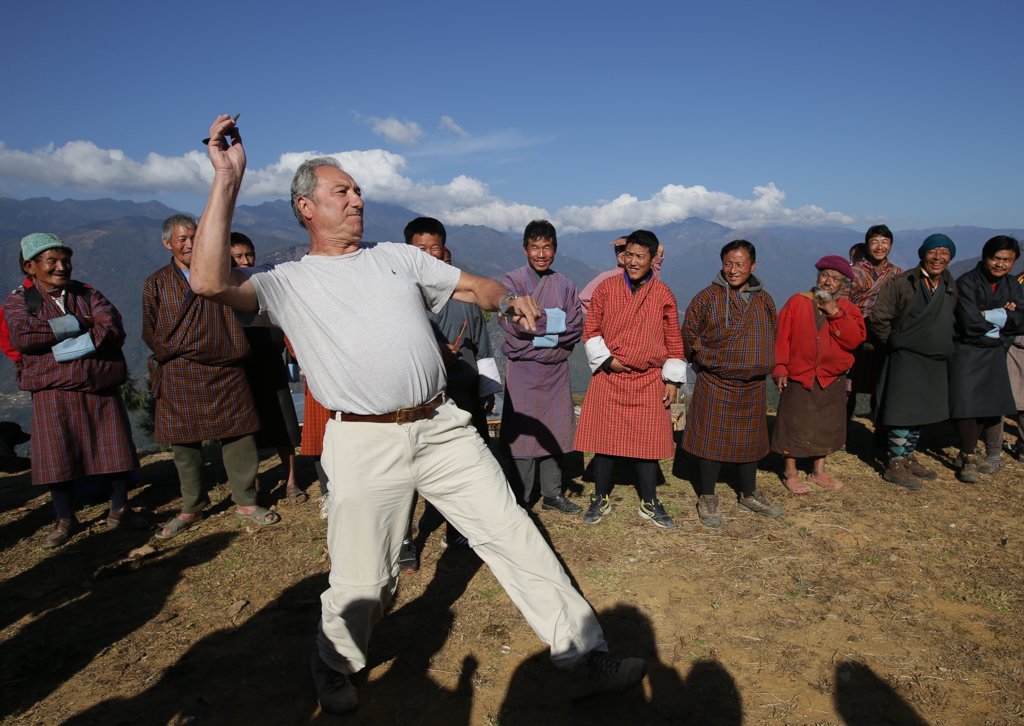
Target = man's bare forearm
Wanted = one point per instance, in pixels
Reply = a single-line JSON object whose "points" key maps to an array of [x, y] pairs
{"points": [[480, 291], [210, 271]]}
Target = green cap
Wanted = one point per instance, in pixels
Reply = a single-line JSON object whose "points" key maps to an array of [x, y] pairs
{"points": [[40, 242]]}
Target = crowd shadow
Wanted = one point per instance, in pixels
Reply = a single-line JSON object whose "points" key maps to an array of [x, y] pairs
{"points": [[861, 698], [62, 641]]}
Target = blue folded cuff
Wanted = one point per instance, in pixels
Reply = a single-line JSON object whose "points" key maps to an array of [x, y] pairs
{"points": [[545, 341], [997, 317], [556, 321], [65, 327]]}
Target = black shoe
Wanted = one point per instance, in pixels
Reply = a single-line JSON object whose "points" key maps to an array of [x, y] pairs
{"points": [[407, 558], [600, 674], [655, 512], [334, 690], [599, 506], [454, 538], [561, 504]]}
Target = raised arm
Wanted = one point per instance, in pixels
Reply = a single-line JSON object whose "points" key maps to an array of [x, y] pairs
{"points": [[488, 294], [211, 275]]}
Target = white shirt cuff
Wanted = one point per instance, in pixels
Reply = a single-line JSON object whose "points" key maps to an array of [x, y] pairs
{"points": [[490, 379], [597, 353], [674, 372]]}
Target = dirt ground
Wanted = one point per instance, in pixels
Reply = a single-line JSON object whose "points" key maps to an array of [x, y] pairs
{"points": [[871, 605]]}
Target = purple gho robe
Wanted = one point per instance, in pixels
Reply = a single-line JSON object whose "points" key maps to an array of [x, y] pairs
{"points": [[537, 414]]}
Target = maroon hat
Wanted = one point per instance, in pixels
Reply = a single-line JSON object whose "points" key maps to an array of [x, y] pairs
{"points": [[837, 263]]}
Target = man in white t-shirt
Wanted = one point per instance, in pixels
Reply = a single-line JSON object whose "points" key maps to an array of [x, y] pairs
{"points": [[357, 319]]}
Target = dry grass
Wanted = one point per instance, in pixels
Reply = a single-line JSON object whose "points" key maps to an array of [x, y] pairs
{"points": [[869, 605]]}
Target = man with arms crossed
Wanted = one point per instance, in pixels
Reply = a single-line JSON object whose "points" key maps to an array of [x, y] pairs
{"points": [[390, 434]]}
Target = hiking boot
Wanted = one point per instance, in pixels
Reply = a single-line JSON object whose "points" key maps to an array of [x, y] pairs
{"points": [[707, 510], [561, 504], [899, 473], [968, 473], [334, 690], [454, 538], [407, 558], [599, 506], [60, 533], [916, 469], [758, 504], [598, 673], [655, 512], [991, 464], [126, 519]]}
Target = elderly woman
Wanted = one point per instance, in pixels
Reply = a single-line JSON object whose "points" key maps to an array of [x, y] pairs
{"points": [[990, 315], [818, 332], [70, 338]]}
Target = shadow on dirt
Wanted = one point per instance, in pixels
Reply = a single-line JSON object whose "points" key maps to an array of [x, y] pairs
{"points": [[863, 699]]}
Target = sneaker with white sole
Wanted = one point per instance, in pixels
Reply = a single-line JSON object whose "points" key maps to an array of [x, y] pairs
{"points": [[598, 673], [599, 506], [334, 690], [758, 504], [654, 511]]}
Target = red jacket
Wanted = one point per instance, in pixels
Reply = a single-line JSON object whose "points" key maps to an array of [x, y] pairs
{"points": [[803, 353]]}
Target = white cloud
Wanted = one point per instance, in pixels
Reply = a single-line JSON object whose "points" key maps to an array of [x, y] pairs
{"points": [[448, 124], [674, 203], [82, 166], [406, 133]]}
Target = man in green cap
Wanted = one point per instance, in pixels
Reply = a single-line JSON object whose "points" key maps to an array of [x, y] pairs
{"points": [[913, 322]]}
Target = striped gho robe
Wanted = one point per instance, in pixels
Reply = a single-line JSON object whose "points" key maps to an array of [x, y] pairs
{"points": [[196, 370], [537, 413], [731, 343], [623, 413], [79, 423]]}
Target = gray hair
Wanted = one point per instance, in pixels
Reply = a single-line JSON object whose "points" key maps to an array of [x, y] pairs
{"points": [[178, 220], [305, 182]]}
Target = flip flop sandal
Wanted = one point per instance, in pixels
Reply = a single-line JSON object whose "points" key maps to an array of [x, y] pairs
{"points": [[175, 527], [297, 496], [259, 516], [825, 482], [796, 485]]}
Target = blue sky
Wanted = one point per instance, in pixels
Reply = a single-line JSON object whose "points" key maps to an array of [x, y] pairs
{"points": [[600, 116]]}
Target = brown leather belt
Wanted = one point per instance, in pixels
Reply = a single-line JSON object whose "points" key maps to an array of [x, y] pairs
{"points": [[404, 415]]}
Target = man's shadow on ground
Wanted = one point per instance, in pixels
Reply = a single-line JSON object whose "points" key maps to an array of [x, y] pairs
{"points": [[707, 695], [861, 698]]}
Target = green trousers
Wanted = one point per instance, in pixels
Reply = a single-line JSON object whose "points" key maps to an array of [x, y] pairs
{"points": [[241, 462]]}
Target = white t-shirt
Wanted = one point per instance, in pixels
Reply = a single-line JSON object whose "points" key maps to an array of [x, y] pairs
{"points": [[358, 324]]}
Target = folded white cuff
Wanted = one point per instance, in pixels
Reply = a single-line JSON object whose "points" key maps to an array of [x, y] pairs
{"points": [[597, 353], [674, 371], [490, 379]]}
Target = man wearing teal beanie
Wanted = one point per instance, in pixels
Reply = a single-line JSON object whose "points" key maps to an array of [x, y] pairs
{"points": [[913, 320]]}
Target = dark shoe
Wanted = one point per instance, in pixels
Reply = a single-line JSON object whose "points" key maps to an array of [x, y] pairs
{"points": [[968, 473], [758, 504], [407, 558], [991, 464], [899, 473], [334, 690], [599, 506], [1016, 451], [454, 538], [127, 519], [655, 512], [60, 533], [921, 472], [561, 504], [707, 510], [600, 674]]}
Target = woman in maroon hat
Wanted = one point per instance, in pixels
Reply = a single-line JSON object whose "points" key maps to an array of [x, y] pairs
{"points": [[818, 332]]}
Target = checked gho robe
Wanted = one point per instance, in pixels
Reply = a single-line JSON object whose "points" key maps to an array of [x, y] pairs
{"points": [[80, 426], [731, 344], [197, 368], [623, 413], [537, 413]]}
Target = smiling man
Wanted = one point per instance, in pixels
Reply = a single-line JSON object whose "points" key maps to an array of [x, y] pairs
{"points": [[537, 424], [990, 314], [729, 337], [633, 346], [198, 379], [912, 321]]}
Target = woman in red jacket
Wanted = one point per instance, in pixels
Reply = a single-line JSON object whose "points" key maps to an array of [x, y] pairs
{"points": [[818, 332], [70, 337]]}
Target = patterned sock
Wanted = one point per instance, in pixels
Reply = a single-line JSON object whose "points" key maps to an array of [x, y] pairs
{"points": [[903, 442]]}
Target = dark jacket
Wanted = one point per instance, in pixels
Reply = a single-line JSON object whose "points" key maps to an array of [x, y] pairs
{"points": [[896, 299]]}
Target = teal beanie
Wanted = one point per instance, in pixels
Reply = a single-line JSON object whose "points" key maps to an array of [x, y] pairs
{"points": [[936, 240], [38, 242]]}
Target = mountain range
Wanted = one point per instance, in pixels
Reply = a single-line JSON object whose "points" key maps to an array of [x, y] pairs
{"points": [[117, 245]]}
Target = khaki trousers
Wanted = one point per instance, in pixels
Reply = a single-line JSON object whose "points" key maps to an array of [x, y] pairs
{"points": [[374, 469]]}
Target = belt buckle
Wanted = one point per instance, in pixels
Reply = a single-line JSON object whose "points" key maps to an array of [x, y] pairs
{"points": [[398, 414]]}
